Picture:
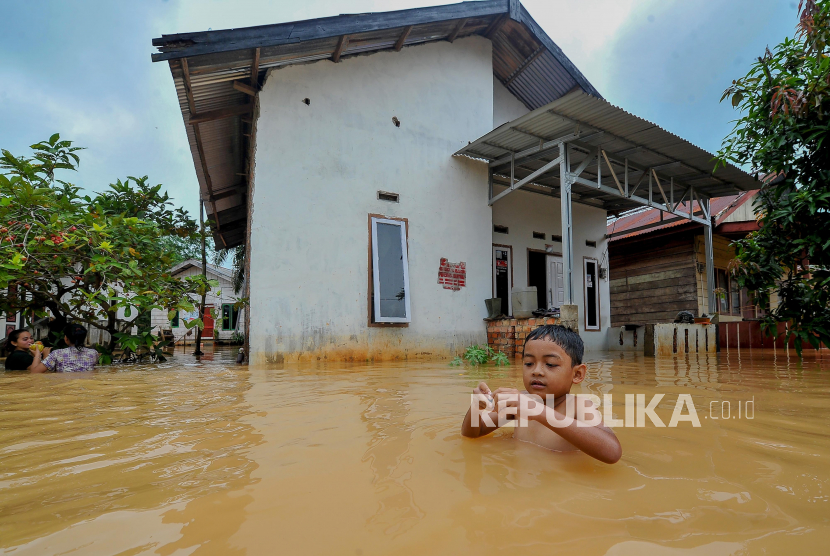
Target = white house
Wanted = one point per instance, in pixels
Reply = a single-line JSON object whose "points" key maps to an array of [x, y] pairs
{"points": [[228, 322], [390, 172]]}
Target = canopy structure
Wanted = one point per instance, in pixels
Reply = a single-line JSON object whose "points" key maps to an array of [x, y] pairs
{"points": [[217, 75], [583, 149]]}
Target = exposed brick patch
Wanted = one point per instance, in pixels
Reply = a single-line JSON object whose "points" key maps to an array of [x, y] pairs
{"points": [[508, 335], [453, 276]]}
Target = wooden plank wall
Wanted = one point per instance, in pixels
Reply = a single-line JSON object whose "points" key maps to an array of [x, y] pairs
{"points": [[652, 279]]}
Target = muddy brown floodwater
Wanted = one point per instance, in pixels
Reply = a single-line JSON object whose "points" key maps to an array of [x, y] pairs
{"points": [[213, 458]]}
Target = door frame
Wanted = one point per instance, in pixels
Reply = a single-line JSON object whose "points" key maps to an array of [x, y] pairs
{"points": [[544, 252], [585, 293], [547, 269], [510, 283]]}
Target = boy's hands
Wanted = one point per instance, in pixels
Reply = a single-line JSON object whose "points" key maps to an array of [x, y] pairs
{"points": [[525, 406], [482, 391], [480, 426]]}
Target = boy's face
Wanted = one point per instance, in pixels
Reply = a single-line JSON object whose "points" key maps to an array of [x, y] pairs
{"points": [[548, 369]]}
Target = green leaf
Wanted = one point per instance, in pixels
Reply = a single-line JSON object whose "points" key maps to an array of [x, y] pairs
{"points": [[194, 322]]}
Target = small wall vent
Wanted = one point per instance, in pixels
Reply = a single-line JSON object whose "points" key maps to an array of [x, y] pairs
{"points": [[556, 238], [386, 196], [538, 235], [590, 243], [500, 229]]}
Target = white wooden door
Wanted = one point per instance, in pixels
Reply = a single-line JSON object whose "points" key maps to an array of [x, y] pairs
{"points": [[556, 281]]}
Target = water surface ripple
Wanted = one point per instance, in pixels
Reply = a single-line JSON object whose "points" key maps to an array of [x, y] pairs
{"points": [[209, 457]]}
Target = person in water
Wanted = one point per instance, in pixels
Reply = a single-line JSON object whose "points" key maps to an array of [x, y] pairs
{"points": [[73, 359], [22, 351], [552, 362]]}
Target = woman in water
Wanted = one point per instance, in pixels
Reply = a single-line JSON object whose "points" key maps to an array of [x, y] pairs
{"points": [[20, 353], [74, 359]]}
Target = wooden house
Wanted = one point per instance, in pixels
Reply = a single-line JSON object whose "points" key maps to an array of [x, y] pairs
{"points": [[657, 265]]}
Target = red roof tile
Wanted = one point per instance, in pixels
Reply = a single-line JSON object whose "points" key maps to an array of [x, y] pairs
{"points": [[721, 207]]}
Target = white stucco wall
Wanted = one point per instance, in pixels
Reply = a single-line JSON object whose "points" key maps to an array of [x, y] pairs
{"points": [[317, 172], [524, 213], [506, 107]]}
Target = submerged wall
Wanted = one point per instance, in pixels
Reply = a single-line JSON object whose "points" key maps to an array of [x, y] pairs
{"points": [[318, 169]]}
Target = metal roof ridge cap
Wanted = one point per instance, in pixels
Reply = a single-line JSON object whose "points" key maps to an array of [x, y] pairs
{"points": [[314, 21], [512, 123], [482, 8]]}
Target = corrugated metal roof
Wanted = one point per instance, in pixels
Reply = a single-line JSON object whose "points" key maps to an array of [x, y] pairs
{"points": [[531, 65], [622, 135]]}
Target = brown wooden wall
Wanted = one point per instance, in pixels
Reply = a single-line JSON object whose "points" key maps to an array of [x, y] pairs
{"points": [[652, 279]]}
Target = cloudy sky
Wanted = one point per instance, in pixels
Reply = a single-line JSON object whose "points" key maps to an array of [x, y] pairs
{"points": [[83, 68]]}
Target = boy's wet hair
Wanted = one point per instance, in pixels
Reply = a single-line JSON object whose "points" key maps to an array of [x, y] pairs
{"points": [[565, 338]]}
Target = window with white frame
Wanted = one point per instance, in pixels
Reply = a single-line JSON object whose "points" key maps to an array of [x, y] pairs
{"points": [[390, 272]]}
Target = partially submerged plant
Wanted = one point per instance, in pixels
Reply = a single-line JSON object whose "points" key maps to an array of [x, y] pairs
{"points": [[477, 355], [500, 358]]}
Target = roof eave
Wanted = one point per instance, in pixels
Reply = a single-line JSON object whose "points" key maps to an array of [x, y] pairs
{"points": [[321, 28]]}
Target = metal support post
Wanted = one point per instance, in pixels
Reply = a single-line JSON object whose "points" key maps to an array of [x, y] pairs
{"points": [[512, 169], [691, 202], [710, 262], [567, 220], [649, 187], [626, 179]]}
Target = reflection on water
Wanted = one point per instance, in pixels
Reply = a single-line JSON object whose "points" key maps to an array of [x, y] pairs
{"points": [[213, 458]]}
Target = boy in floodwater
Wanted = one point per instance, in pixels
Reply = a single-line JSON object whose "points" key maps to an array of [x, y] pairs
{"points": [[552, 362]]}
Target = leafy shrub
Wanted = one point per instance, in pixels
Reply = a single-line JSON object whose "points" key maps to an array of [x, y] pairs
{"points": [[481, 355]]}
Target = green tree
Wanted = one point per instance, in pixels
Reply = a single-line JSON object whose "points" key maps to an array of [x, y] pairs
{"points": [[99, 260], [186, 248], [782, 134], [237, 255]]}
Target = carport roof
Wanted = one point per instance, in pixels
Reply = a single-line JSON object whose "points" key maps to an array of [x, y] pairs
{"points": [[593, 125]]}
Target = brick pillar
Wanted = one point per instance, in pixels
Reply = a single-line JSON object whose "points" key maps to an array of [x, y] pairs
{"points": [[508, 335]]}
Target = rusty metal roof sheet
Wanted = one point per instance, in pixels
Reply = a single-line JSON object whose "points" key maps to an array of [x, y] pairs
{"points": [[525, 59]]}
